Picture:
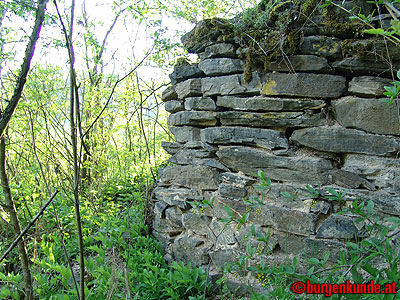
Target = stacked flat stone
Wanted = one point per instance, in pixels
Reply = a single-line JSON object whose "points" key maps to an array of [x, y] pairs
{"points": [[311, 118]]}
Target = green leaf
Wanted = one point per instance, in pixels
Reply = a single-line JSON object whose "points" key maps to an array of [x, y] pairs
{"points": [[287, 195], [380, 31], [228, 210], [370, 206]]}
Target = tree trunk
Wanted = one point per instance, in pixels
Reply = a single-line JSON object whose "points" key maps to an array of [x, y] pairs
{"points": [[26, 65], [10, 207]]}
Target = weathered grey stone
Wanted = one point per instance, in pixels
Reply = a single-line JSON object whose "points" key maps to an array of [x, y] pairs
{"points": [[272, 119], [386, 202], [321, 207], [218, 50], [188, 156], [185, 134], [321, 45], [231, 191], [373, 49], [205, 33], [304, 85], [174, 106], [171, 147], [221, 234], [336, 226], [300, 63], [196, 223], [356, 66], [350, 180], [188, 88], [198, 177], [194, 118], [224, 256], [342, 140], [266, 138], [368, 86], [382, 172], [163, 226], [211, 162], [169, 94], [238, 180], [199, 103], [160, 207], [300, 200], [307, 247], [231, 85], [292, 169], [163, 238], [370, 115], [261, 103], [173, 215], [185, 71], [201, 145], [221, 66], [190, 249], [176, 196], [286, 220]]}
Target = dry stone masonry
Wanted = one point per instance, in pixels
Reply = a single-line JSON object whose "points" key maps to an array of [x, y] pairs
{"points": [[313, 117]]}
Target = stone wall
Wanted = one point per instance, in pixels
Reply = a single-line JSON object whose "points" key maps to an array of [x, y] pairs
{"points": [[313, 117]]}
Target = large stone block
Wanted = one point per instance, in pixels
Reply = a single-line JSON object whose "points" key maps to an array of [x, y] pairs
{"points": [[185, 134], [162, 225], [373, 49], [304, 85], [300, 63], [342, 140], [370, 115], [197, 177], [219, 50], [321, 45], [206, 33], [231, 191], [169, 94], [221, 66], [188, 156], [266, 138], [185, 71], [230, 85], [368, 86], [174, 106], [221, 234], [293, 169], [193, 118], [188, 88], [261, 103], [336, 226], [357, 66], [350, 180], [200, 103], [285, 220], [382, 172], [191, 249], [196, 222], [272, 119], [238, 180], [176, 196], [171, 147]]}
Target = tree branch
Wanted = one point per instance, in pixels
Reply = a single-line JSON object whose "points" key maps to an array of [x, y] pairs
{"points": [[26, 65]]}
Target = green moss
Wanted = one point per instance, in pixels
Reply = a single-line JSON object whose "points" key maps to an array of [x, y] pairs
{"points": [[294, 39], [248, 75], [342, 29]]}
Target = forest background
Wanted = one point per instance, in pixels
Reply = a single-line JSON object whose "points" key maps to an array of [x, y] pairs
{"points": [[81, 118]]}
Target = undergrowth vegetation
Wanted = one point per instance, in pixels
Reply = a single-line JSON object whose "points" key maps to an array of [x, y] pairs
{"points": [[122, 260]]}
